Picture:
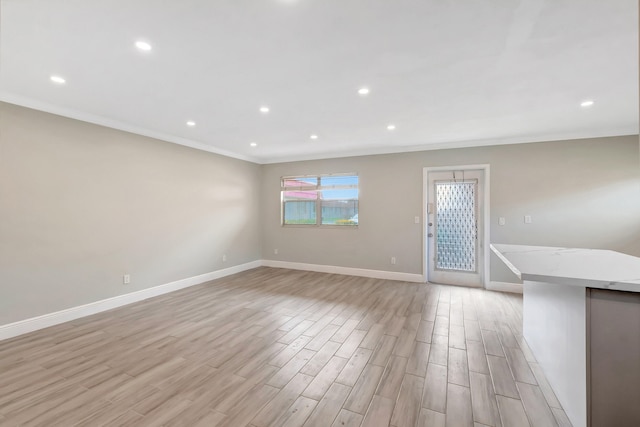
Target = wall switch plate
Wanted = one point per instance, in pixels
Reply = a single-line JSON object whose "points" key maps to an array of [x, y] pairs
{"points": [[527, 219], [275, 252], [502, 221], [126, 279], [224, 258], [416, 220], [393, 260]]}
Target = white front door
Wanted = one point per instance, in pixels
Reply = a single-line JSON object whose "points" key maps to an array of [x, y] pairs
{"points": [[455, 246]]}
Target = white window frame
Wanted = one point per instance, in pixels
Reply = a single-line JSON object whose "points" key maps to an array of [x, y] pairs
{"points": [[318, 200]]}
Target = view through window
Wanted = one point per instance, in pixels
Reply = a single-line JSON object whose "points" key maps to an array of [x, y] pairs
{"points": [[320, 200]]}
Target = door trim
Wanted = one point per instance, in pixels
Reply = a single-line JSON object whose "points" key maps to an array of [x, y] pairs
{"points": [[486, 274]]}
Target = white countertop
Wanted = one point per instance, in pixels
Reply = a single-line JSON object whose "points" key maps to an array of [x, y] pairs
{"points": [[593, 268]]}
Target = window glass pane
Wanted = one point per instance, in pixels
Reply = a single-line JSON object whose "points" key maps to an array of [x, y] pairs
{"points": [[300, 195], [334, 198], [300, 182], [326, 181], [347, 194], [300, 212], [340, 212]]}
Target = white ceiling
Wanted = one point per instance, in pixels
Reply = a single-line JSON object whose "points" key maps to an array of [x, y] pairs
{"points": [[445, 72]]}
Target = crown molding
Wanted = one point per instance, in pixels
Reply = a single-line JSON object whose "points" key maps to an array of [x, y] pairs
{"points": [[441, 145], [115, 124]]}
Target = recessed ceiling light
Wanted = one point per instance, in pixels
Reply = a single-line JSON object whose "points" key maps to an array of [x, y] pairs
{"points": [[587, 103], [191, 123], [254, 144], [264, 109], [58, 79], [391, 127], [143, 45], [363, 91], [314, 136]]}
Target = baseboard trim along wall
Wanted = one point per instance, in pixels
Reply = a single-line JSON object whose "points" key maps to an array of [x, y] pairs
{"points": [[514, 288], [347, 271], [40, 322]]}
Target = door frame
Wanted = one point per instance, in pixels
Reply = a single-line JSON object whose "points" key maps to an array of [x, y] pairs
{"points": [[485, 168]]}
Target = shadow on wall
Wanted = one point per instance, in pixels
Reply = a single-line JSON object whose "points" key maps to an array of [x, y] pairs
{"points": [[600, 217], [500, 272], [212, 221]]}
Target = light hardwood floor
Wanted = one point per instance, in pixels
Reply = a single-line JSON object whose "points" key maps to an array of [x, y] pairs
{"points": [[274, 347]]}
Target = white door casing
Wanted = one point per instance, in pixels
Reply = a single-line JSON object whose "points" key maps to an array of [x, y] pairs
{"points": [[456, 225]]}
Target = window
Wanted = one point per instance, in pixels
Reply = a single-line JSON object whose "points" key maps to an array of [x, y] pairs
{"points": [[320, 200]]}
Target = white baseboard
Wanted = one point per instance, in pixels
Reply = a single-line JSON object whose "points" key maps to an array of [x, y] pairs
{"points": [[514, 288], [40, 322], [33, 324], [348, 271]]}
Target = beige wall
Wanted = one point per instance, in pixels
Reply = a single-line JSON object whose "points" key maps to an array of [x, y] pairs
{"points": [[81, 205], [583, 193]]}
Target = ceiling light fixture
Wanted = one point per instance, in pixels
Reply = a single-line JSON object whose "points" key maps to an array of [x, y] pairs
{"points": [[391, 127], [314, 136], [143, 45], [254, 144], [363, 91], [58, 79], [264, 109], [191, 123], [587, 103]]}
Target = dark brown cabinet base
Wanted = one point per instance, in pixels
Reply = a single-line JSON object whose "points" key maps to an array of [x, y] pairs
{"points": [[613, 358]]}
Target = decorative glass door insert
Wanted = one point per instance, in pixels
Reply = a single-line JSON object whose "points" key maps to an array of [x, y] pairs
{"points": [[456, 225]]}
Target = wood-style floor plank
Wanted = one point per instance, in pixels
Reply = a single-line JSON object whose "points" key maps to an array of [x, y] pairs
{"points": [[392, 378], [417, 364], [364, 389], [275, 347], [329, 407], [407, 408], [458, 371], [282, 401], [347, 419], [379, 413], [429, 418], [512, 412], [483, 400], [477, 358], [538, 411], [459, 410], [354, 367], [520, 366], [296, 415], [503, 382], [325, 378]]}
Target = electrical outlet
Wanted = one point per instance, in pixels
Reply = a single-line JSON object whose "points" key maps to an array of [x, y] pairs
{"points": [[224, 258], [502, 221], [393, 260], [416, 220], [275, 252], [527, 219], [126, 279]]}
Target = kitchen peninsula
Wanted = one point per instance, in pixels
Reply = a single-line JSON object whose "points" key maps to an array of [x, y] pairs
{"points": [[581, 318]]}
